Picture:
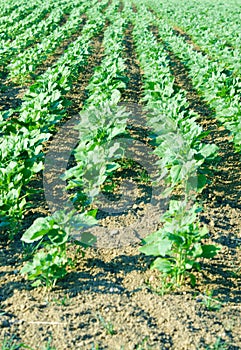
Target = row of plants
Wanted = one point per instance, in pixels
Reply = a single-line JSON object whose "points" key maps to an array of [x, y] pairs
{"points": [[214, 25], [26, 129], [111, 9], [177, 137], [101, 121], [34, 31], [8, 7], [25, 63], [206, 30], [219, 87], [17, 13], [9, 30]]}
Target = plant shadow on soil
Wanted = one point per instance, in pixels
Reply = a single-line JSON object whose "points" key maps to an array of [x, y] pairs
{"points": [[224, 281], [101, 281], [10, 93]]}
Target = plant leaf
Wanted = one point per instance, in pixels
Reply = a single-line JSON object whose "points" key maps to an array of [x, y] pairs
{"points": [[163, 265], [209, 251], [37, 230]]}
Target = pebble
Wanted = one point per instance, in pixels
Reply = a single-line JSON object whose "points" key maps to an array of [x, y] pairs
{"points": [[114, 232]]}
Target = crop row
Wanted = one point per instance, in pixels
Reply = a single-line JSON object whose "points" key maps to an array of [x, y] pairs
{"points": [[210, 78], [213, 25], [44, 105], [100, 122], [26, 62], [10, 48], [182, 156]]}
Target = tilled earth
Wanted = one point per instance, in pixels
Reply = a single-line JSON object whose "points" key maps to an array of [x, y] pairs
{"points": [[111, 300]]}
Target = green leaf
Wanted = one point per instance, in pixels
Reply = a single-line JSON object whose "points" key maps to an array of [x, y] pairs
{"points": [[209, 251], [164, 246], [192, 279], [163, 265], [208, 149], [158, 246], [203, 231], [152, 237], [201, 182], [111, 167], [86, 240], [115, 97], [150, 249], [37, 283], [179, 240], [58, 236], [175, 173], [37, 230], [92, 213], [83, 220]]}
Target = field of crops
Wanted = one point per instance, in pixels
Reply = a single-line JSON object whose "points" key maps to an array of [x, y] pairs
{"points": [[120, 174]]}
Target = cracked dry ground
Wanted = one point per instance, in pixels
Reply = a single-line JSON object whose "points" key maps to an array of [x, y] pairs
{"points": [[111, 286]]}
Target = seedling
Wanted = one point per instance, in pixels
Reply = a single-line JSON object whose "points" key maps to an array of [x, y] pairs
{"points": [[177, 245], [218, 345], [62, 302], [10, 344], [107, 325], [143, 345], [48, 346], [51, 262], [211, 304]]}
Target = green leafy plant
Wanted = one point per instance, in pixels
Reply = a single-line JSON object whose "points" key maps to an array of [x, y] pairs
{"points": [[50, 263], [97, 151], [177, 245]]}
